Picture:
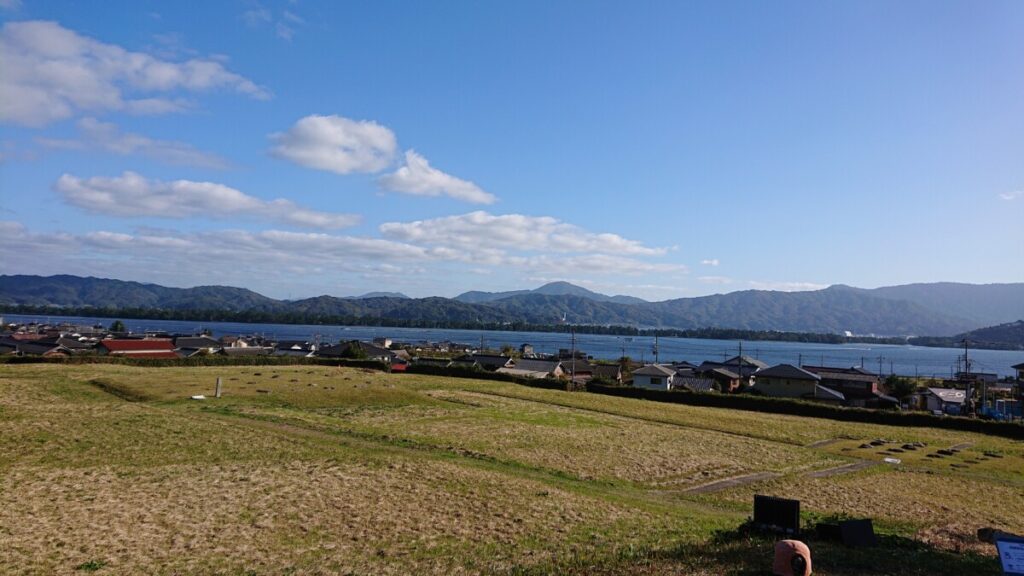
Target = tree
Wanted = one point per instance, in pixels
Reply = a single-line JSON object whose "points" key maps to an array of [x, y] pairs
{"points": [[899, 386], [353, 351], [118, 326]]}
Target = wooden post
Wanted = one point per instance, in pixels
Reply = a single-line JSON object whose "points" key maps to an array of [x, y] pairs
{"points": [[217, 393]]}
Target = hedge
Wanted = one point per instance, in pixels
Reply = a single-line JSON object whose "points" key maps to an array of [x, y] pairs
{"points": [[815, 410]]}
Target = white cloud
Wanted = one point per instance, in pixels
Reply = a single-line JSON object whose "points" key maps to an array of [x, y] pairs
{"points": [[284, 31], [601, 264], [96, 135], [710, 262], [283, 27], [418, 177], [480, 230], [51, 73], [133, 195], [1012, 195], [256, 16], [256, 258], [786, 286], [281, 258], [714, 279], [10, 4], [336, 144]]}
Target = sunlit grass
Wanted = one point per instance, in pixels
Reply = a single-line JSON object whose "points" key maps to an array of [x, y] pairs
{"points": [[310, 469]]}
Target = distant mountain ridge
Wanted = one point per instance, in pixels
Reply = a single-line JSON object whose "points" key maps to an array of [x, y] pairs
{"points": [[832, 310], [549, 289], [378, 295]]}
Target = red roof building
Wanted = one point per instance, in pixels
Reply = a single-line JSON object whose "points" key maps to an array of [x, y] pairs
{"points": [[138, 348]]}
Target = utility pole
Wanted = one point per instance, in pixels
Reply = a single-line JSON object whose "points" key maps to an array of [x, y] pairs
{"points": [[967, 363], [572, 330], [891, 372], [655, 347], [800, 361], [879, 364]]}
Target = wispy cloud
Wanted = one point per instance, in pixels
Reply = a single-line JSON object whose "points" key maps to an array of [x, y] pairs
{"points": [[419, 178], [786, 286], [107, 137], [1012, 195], [52, 73], [710, 262], [283, 27], [715, 279], [133, 195], [481, 230]]}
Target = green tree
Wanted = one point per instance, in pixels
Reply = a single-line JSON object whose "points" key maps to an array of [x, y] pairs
{"points": [[353, 352], [899, 386], [118, 326]]}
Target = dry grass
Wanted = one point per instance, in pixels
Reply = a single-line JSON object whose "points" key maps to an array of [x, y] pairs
{"points": [[328, 470], [336, 517]]}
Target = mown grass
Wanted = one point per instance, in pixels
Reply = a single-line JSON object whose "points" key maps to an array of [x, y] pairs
{"points": [[315, 469]]}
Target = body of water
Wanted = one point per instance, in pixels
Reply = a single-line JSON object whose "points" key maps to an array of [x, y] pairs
{"points": [[903, 360]]}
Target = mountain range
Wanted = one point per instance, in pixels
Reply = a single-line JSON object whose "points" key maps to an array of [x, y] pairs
{"points": [[938, 309]]}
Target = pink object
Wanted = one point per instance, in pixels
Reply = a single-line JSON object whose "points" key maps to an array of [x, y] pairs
{"points": [[790, 557]]}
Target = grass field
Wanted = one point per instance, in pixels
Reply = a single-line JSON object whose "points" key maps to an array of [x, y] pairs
{"points": [[319, 470]]}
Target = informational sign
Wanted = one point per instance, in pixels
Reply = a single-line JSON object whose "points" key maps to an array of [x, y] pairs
{"points": [[1011, 554]]}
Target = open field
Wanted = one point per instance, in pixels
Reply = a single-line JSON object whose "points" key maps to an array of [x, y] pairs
{"points": [[313, 469]]}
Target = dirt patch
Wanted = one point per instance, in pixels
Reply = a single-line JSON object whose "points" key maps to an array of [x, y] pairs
{"points": [[845, 469], [732, 483]]}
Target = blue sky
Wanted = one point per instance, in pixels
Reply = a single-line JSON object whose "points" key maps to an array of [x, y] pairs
{"points": [[660, 149]]}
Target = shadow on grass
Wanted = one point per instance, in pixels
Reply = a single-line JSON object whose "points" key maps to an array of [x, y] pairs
{"points": [[744, 552], [748, 552]]}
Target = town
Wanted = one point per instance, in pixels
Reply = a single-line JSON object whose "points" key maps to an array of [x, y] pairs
{"points": [[966, 393]]}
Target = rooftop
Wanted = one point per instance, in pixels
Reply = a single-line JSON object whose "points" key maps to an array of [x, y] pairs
{"points": [[787, 371]]}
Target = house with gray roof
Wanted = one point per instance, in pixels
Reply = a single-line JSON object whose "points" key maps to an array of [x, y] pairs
{"points": [[693, 384], [531, 368], [199, 344], [654, 377], [489, 362], [788, 381], [945, 400]]}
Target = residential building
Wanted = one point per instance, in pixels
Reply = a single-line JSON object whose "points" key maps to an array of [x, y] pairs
{"points": [[945, 400], [788, 381], [357, 349], [608, 372], [693, 384], [489, 362], [654, 377], [198, 344], [295, 348], [157, 348], [860, 387]]}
